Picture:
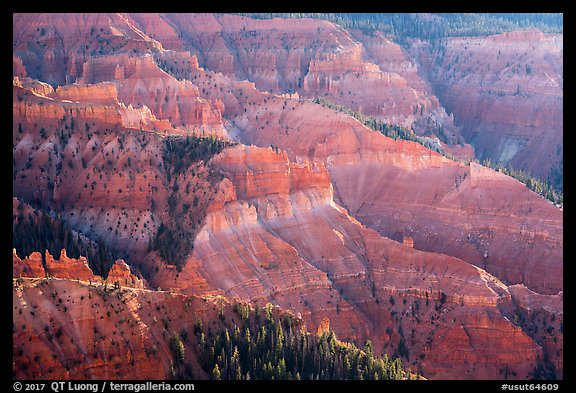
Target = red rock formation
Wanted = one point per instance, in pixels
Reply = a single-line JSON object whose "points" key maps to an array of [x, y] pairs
{"points": [[310, 56], [72, 269], [64, 267], [69, 268], [402, 188], [53, 47], [68, 150], [37, 87], [506, 94], [70, 330], [101, 93], [120, 273], [31, 266], [304, 219], [140, 82]]}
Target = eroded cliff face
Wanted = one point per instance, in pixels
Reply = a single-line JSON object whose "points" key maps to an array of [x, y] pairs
{"points": [[307, 56], [53, 47], [276, 227], [383, 240], [74, 269], [506, 93], [76, 156], [141, 83], [402, 189], [75, 330]]}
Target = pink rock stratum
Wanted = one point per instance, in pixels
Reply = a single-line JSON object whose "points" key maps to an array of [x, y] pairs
{"points": [[308, 209]]}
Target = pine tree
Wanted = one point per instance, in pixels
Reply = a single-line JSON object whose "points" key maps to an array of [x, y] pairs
{"points": [[216, 372]]}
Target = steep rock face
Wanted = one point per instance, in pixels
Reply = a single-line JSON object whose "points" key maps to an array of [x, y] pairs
{"points": [[275, 227], [309, 56], [53, 47], [31, 106], [105, 93], [141, 82], [102, 93], [120, 273], [106, 181], [30, 266], [63, 44], [72, 330], [392, 58], [515, 238], [65, 148], [506, 94], [402, 189], [542, 317]]}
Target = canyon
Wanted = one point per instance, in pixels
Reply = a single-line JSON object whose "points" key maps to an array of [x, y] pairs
{"points": [[509, 108], [190, 148]]}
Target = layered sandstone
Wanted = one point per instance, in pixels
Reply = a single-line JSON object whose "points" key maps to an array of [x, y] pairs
{"points": [[402, 189], [386, 239], [68, 268], [506, 94], [141, 83], [120, 273], [308, 56], [293, 235], [74, 269], [53, 47], [107, 182]]}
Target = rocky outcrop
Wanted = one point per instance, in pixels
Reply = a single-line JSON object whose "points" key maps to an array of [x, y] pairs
{"points": [[69, 268], [120, 273], [75, 269], [140, 82], [38, 266], [30, 266], [506, 94], [36, 87]]}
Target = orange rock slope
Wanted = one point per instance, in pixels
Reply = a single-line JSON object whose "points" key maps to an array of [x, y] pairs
{"points": [[308, 56], [454, 268], [278, 228], [403, 189], [36, 266], [75, 330]]}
